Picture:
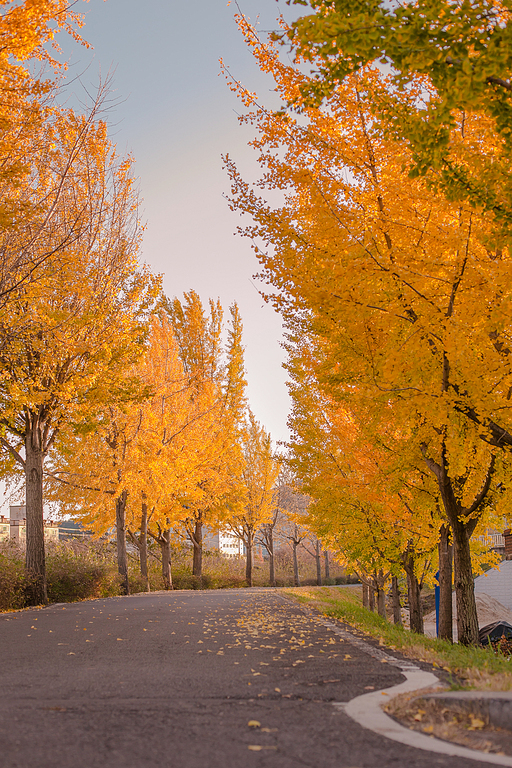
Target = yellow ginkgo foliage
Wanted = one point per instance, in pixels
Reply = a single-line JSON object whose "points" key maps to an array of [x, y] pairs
{"points": [[409, 293]]}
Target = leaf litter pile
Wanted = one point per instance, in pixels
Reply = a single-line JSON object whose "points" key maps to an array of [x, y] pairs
{"points": [[451, 722]]}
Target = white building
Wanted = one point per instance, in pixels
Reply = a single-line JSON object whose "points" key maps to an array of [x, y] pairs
{"points": [[226, 542], [15, 526]]}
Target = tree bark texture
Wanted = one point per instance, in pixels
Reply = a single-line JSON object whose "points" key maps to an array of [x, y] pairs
{"points": [[318, 558], [296, 578], [445, 585], [327, 570], [371, 597], [467, 619], [463, 521], [122, 558], [366, 596], [248, 559], [271, 561], [413, 594], [395, 601], [381, 595], [35, 562], [197, 542], [165, 548], [143, 546]]}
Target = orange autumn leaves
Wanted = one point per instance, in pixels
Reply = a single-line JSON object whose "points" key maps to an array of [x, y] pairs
{"points": [[397, 307], [181, 447]]}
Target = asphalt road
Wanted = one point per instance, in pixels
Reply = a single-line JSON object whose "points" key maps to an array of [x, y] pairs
{"points": [[173, 680]]}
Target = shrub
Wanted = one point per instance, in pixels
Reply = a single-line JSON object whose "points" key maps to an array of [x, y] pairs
{"points": [[13, 582], [77, 571]]}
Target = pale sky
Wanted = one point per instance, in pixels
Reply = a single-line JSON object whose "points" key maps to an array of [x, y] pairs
{"points": [[177, 116]]}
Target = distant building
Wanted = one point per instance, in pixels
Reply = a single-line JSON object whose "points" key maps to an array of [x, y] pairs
{"points": [[227, 543], [14, 527], [5, 528], [494, 541]]}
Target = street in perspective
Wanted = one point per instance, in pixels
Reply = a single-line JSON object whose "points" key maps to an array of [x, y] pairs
{"points": [[255, 383], [203, 678]]}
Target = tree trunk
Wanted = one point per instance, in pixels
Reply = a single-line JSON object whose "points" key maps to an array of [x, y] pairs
{"points": [[122, 559], [395, 600], [197, 541], [414, 595], [296, 579], [463, 522], [271, 562], [248, 559], [35, 563], [467, 620], [318, 559], [445, 585], [143, 546], [381, 595], [165, 547], [371, 597], [366, 596], [327, 571]]}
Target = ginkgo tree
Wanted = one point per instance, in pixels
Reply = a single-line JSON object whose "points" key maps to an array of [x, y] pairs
{"points": [[462, 54], [80, 325], [217, 378], [138, 466], [254, 503], [371, 507], [409, 293], [169, 458], [30, 77]]}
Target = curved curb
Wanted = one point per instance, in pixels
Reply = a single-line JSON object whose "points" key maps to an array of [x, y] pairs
{"points": [[366, 710]]}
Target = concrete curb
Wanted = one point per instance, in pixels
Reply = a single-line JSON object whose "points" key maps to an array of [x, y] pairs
{"points": [[494, 706], [366, 710]]}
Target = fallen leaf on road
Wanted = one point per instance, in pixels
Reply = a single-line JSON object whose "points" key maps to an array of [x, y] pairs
{"points": [[258, 747], [254, 723]]}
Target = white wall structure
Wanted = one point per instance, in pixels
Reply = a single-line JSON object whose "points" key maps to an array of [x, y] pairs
{"points": [[18, 526], [5, 528], [497, 583], [227, 543]]}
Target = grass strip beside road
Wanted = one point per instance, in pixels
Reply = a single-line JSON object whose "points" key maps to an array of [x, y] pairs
{"points": [[470, 667]]}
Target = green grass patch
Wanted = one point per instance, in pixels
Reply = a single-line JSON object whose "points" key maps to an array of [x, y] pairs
{"points": [[473, 667]]}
